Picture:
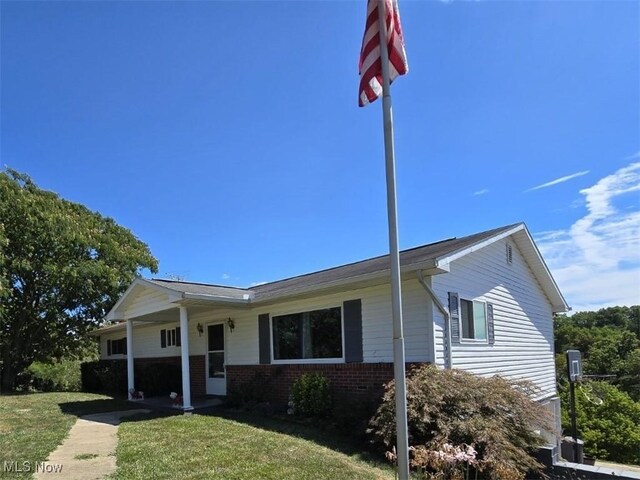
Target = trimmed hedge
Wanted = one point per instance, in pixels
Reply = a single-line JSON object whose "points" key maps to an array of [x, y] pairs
{"points": [[110, 376]]}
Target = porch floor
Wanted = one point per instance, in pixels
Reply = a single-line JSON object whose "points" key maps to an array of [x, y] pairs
{"points": [[164, 403]]}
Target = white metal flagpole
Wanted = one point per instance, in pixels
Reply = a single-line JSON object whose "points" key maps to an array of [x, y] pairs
{"points": [[402, 438]]}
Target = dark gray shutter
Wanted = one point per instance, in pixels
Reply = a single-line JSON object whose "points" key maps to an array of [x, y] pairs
{"points": [[264, 336], [352, 318], [163, 338], [491, 336], [454, 313], [108, 348], [178, 342]]}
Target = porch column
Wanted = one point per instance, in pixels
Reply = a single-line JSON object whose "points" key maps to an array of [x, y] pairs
{"points": [[130, 378], [186, 377]]}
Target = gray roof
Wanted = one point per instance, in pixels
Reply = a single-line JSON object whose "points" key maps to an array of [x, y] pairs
{"points": [[203, 288], [417, 256]]}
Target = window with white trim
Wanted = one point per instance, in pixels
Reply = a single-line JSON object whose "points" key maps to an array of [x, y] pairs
{"points": [[308, 335], [170, 337], [473, 320], [117, 347]]}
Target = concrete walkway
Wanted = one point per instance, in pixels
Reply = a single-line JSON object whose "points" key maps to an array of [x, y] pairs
{"points": [[88, 453]]}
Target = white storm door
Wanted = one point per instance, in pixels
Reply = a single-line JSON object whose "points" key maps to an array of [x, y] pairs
{"points": [[216, 379]]}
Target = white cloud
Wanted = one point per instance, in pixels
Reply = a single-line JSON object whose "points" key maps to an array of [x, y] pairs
{"points": [[481, 192], [226, 276], [596, 262], [558, 180]]}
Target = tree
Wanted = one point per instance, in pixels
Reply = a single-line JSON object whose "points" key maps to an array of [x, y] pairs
{"points": [[62, 267], [445, 408], [609, 340], [608, 421]]}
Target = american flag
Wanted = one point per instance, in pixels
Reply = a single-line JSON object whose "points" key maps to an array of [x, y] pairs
{"points": [[370, 62]]}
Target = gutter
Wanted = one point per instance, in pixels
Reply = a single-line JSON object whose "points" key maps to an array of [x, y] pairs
{"points": [[447, 318]]}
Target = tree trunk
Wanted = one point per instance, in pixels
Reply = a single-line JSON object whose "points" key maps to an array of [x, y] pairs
{"points": [[8, 376]]}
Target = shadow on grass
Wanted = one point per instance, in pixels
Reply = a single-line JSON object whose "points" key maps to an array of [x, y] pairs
{"points": [[98, 406], [321, 434]]}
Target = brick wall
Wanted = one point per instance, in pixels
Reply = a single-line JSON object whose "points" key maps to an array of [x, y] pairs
{"points": [[196, 370], [347, 380]]}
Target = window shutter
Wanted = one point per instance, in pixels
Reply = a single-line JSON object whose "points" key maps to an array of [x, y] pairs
{"points": [[124, 345], [352, 318], [454, 314], [264, 337], [108, 348], [490, 328], [178, 341], [163, 338]]}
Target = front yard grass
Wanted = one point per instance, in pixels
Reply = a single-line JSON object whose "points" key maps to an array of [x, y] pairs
{"points": [[237, 447], [233, 446], [33, 425]]}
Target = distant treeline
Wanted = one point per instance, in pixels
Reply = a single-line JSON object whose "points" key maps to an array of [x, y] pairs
{"points": [[608, 397]]}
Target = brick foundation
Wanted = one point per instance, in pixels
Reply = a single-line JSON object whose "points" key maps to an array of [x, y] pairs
{"points": [[347, 380], [196, 370]]}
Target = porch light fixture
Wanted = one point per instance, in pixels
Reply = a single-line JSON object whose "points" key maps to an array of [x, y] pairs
{"points": [[231, 324], [200, 329]]}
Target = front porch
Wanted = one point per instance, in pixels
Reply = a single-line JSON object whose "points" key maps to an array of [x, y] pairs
{"points": [[165, 403], [163, 324]]}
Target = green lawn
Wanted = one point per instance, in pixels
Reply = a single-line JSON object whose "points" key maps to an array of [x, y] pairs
{"points": [[33, 425], [237, 447]]}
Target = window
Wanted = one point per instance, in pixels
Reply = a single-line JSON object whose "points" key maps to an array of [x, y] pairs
{"points": [[308, 335], [117, 347], [170, 338], [473, 320]]}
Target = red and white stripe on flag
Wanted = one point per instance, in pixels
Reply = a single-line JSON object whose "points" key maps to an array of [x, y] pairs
{"points": [[370, 61]]}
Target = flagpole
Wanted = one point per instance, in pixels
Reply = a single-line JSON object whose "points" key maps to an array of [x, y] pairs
{"points": [[402, 438]]}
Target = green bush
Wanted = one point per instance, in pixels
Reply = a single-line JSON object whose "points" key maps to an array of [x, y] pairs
{"points": [[252, 393], [451, 409], [310, 395], [104, 376], [111, 376], [608, 421], [60, 376], [159, 379]]}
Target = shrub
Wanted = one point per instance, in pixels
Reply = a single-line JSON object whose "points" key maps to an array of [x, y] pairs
{"points": [[158, 379], [608, 421], [454, 409], [57, 376], [251, 393], [310, 395], [104, 376]]}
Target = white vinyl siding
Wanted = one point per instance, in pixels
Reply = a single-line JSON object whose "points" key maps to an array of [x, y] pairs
{"points": [[523, 318], [242, 342]]}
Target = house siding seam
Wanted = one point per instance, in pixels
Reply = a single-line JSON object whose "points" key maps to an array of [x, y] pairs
{"points": [[348, 381]]}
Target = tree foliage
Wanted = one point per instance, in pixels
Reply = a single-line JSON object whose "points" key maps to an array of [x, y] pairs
{"points": [[608, 421], [495, 416], [609, 340], [62, 267]]}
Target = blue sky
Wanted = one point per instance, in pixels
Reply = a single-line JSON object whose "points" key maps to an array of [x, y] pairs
{"points": [[227, 136]]}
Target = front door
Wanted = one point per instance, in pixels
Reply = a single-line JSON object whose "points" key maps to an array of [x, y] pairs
{"points": [[216, 380]]}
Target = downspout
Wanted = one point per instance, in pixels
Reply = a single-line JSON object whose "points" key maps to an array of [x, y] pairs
{"points": [[445, 314]]}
